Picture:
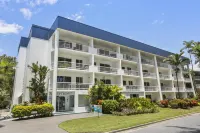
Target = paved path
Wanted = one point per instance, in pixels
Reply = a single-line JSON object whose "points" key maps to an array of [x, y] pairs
{"points": [[38, 125], [189, 124]]}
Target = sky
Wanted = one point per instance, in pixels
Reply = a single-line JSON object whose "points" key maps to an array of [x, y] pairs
{"points": [[161, 23]]}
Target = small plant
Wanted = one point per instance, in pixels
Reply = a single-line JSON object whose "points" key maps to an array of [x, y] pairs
{"points": [[108, 106], [164, 103]]}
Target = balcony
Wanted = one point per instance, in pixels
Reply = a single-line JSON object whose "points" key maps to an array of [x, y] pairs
{"points": [[72, 65], [160, 64], [165, 77], [149, 75], [151, 88], [198, 85], [147, 61], [107, 69], [187, 79], [181, 89], [131, 72], [130, 58], [107, 53], [72, 86], [188, 89], [197, 77], [166, 88], [133, 88], [77, 46]]}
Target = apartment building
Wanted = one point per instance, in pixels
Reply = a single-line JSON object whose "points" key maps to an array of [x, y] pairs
{"points": [[78, 55]]}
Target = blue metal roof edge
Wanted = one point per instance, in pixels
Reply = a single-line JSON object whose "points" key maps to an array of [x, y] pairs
{"points": [[23, 42], [77, 27]]}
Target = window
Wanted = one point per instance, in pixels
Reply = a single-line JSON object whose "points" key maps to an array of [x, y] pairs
{"points": [[148, 96], [106, 81], [123, 68], [64, 59], [128, 68], [79, 46], [146, 84], [95, 63], [124, 83], [79, 79], [161, 84], [130, 82], [79, 63], [134, 95], [63, 79], [145, 71]]}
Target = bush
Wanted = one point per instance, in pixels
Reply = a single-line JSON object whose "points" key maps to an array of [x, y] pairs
{"points": [[164, 103], [179, 103], [108, 106], [136, 106], [20, 111]]}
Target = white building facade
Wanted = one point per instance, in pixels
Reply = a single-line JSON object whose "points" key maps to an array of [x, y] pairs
{"points": [[78, 55]]}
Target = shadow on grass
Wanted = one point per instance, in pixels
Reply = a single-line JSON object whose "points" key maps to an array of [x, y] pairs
{"points": [[187, 129]]}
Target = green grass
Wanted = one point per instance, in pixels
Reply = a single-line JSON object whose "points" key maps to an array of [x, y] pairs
{"points": [[111, 122]]}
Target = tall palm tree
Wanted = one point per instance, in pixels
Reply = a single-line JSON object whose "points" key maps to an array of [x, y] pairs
{"points": [[188, 45], [177, 60], [196, 52]]}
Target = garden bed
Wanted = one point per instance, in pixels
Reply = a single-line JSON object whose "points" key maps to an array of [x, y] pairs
{"points": [[112, 122]]}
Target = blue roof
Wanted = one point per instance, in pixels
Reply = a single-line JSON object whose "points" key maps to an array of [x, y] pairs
{"points": [[23, 42], [77, 27]]}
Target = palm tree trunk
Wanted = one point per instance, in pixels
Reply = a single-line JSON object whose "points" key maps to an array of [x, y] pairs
{"points": [[177, 82], [192, 73]]}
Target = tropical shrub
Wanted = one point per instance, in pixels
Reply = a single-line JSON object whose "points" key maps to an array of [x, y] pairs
{"points": [[164, 103], [179, 103], [192, 102], [20, 111], [136, 106], [108, 106]]}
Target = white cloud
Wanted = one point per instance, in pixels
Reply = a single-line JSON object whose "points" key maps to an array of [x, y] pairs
{"points": [[88, 4], [158, 21], [77, 16], [26, 12], [6, 28], [40, 2]]}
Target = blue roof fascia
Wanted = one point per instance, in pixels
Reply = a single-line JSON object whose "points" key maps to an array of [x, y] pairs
{"points": [[23, 42], [39, 32]]}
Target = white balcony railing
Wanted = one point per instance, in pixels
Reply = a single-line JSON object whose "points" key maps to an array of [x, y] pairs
{"points": [[162, 76], [197, 77], [181, 89], [165, 65], [77, 46], [130, 58], [147, 61], [133, 88], [198, 85], [107, 69], [188, 89], [151, 88], [166, 88], [187, 79], [147, 74], [72, 65], [72, 86], [106, 53], [131, 72]]}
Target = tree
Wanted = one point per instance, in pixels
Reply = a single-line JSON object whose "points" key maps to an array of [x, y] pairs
{"points": [[177, 60], [101, 91], [37, 82], [196, 52], [7, 72]]}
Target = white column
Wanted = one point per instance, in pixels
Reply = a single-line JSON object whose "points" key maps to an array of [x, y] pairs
{"points": [[55, 69], [118, 49], [192, 85], [158, 78], [141, 72], [92, 43], [76, 102]]}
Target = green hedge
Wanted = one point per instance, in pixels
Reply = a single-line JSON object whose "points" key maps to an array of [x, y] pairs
{"points": [[108, 106], [20, 111], [136, 106]]}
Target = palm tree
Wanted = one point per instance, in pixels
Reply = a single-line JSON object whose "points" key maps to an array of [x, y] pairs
{"points": [[177, 60], [188, 46], [196, 52]]}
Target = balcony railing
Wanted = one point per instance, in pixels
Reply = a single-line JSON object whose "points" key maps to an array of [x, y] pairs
{"points": [[132, 88], [77, 46], [160, 64], [197, 77], [162, 76], [130, 58], [72, 86], [166, 88], [198, 85], [188, 89], [147, 61], [106, 53], [181, 89], [107, 69], [187, 79], [131, 72], [151, 88], [72, 65], [147, 74]]}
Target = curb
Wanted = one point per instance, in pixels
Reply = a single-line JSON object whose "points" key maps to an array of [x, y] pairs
{"points": [[149, 123]]}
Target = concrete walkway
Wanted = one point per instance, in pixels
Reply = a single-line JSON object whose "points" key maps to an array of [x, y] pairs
{"points": [[39, 125], [188, 124]]}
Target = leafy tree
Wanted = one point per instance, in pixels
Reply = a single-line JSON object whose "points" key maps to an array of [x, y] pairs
{"points": [[7, 72], [177, 60], [101, 91], [196, 52], [37, 82]]}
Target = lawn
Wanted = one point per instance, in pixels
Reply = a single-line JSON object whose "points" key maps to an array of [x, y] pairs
{"points": [[111, 122]]}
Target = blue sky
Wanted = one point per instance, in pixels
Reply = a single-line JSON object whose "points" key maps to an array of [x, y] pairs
{"points": [[163, 24]]}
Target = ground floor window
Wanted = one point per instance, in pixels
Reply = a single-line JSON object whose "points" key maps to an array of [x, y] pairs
{"points": [[134, 95], [83, 101], [148, 96]]}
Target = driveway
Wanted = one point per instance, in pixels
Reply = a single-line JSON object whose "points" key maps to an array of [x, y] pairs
{"points": [[189, 124], [39, 125]]}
